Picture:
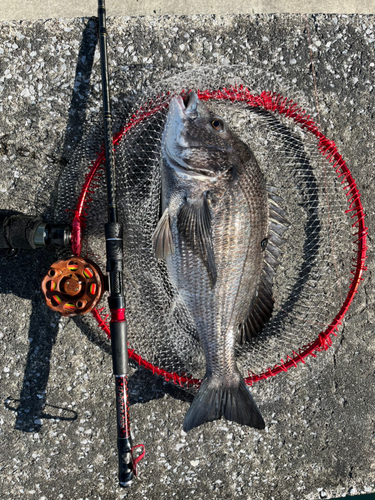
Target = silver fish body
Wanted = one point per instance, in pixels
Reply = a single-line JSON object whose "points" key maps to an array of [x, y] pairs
{"points": [[212, 234]]}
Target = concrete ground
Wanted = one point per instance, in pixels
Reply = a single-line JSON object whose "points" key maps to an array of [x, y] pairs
{"points": [[57, 415], [45, 9]]}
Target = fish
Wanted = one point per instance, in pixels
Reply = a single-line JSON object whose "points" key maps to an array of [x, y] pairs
{"points": [[215, 226]]}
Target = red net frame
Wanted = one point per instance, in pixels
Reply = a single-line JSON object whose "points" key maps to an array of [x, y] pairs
{"points": [[278, 104]]}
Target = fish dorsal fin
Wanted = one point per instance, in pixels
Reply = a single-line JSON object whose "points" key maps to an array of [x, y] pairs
{"points": [[194, 225], [162, 239], [260, 310]]}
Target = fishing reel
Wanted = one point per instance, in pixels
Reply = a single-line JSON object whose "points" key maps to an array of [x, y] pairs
{"points": [[70, 287], [73, 286]]}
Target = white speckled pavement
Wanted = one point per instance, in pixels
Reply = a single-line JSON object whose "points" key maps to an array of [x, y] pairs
{"points": [[57, 420]]}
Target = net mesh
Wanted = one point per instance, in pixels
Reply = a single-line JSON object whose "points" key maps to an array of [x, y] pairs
{"points": [[312, 281]]}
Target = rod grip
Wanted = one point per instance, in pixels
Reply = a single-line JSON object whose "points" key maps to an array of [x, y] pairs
{"points": [[119, 347]]}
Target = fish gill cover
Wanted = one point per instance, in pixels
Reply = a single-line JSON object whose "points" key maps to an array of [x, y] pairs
{"points": [[315, 280]]}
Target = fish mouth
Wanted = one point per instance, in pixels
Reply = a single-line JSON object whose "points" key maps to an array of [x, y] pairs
{"points": [[191, 105], [190, 109], [179, 111]]}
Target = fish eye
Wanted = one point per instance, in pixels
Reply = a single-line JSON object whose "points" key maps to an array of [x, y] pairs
{"points": [[217, 124]]}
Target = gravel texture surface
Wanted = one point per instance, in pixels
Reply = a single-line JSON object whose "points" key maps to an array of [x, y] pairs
{"points": [[57, 415]]}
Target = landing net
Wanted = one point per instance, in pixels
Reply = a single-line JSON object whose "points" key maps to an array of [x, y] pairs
{"points": [[323, 257]]}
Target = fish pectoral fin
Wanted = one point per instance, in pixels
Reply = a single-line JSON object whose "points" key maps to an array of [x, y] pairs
{"points": [[162, 238], [235, 403], [194, 225]]}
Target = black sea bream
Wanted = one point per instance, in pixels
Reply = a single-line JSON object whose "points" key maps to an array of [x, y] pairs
{"points": [[213, 233]]}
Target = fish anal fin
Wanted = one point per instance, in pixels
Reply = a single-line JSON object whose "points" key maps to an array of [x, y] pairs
{"points": [[213, 401], [261, 307], [162, 238], [259, 313], [194, 225]]}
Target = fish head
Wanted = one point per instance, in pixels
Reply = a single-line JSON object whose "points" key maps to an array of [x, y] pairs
{"points": [[198, 142]]}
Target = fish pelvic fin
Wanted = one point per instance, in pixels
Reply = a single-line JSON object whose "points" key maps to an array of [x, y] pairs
{"points": [[214, 401], [261, 307], [194, 224], [162, 238]]}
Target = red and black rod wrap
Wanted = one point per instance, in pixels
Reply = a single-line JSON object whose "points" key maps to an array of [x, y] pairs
{"points": [[116, 300]]}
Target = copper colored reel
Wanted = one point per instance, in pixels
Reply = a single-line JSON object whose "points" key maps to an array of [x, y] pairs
{"points": [[73, 286]]}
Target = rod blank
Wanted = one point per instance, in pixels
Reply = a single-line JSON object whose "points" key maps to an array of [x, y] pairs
{"points": [[116, 300]]}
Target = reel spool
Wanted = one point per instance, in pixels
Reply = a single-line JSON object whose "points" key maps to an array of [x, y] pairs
{"points": [[73, 286]]}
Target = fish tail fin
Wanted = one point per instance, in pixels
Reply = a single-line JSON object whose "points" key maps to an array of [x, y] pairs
{"points": [[233, 402]]}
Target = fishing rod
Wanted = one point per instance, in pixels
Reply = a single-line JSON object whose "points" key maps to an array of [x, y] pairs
{"points": [[76, 285], [116, 300]]}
